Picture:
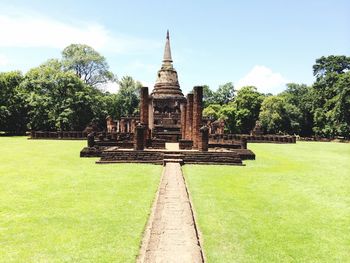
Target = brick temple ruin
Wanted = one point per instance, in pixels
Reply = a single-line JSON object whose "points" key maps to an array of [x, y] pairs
{"points": [[166, 116]]}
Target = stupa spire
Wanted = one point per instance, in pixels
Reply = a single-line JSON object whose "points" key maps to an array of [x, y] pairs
{"points": [[167, 52]]}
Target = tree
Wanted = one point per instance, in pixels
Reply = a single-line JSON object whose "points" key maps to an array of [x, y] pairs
{"points": [[247, 104], [228, 112], [87, 64], [57, 100], [340, 114], [13, 111], [212, 111], [224, 94], [128, 97], [330, 83], [208, 96], [301, 96], [278, 116], [332, 64]]}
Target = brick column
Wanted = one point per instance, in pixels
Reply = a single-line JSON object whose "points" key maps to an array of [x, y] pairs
{"points": [[197, 113], [244, 143], [139, 140], [189, 116], [203, 139], [144, 111], [144, 106], [91, 139], [183, 120]]}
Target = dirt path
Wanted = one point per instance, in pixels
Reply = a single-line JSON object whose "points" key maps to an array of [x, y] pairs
{"points": [[171, 235]]}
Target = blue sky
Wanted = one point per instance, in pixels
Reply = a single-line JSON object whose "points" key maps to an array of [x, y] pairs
{"points": [[262, 43]]}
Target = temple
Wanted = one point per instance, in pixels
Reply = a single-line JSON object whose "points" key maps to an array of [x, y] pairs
{"points": [[165, 103], [166, 116]]}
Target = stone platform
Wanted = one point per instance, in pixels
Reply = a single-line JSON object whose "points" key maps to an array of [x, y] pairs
{"points": [[117, 155]]}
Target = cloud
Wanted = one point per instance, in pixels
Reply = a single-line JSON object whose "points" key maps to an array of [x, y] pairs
{"points": [[264, 79], [28, 29], [110, 86], [3, 60]]}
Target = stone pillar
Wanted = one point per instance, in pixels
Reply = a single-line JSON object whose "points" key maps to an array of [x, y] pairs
{"points": [[132, 125], [189, 116], [203, 139], [150, 115], [144, 106], [121, 126], [91, 139], [144, 110], [139, 139], [117, 126], [197, 113], [183, 120], [244, 143]]}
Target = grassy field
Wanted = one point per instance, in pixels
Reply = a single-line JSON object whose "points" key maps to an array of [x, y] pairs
{"points": [[57, 207], [290, 205]]}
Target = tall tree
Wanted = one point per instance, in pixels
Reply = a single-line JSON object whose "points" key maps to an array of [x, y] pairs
{"points": [[247, 104], [57, 100], [224, 94], [301, 96], [87, 64], [128, 97], [208, 96], [13, 110], [329, 84], [278, 116]]}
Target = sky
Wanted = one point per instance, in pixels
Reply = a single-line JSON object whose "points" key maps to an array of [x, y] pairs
{"points": [[262, 43]]}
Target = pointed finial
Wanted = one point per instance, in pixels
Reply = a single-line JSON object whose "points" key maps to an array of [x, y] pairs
{"points": [[167, 53]]}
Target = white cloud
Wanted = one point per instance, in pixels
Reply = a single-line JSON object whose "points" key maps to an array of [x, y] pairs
{"points": [[3, 60], [110, 86], [264, 79], [28, 29]]}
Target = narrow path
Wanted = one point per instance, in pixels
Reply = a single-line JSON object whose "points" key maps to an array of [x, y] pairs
{"points": [[171, 235]]}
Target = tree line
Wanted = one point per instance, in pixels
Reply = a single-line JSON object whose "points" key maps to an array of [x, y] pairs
{"points": [[67, 94], [322, 109]]}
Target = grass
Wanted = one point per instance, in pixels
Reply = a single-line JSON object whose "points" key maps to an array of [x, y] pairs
{"points": [[57, 207], [290, 205]]}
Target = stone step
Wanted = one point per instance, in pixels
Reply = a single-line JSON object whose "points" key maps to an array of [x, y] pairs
{"points": [[180, 161], [172, 155]]}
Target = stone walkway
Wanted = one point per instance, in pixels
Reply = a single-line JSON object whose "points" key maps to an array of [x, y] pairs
{"points": [[171, 235]]}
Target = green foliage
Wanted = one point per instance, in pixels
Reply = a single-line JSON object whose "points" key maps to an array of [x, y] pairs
{"points": [[212, 111], [224, 94], [13, 109], [228, 112], [247, 103], [332, 64], [128, 97], [300, 96], [87, 64], [57, 100], [330, 93], [241, 113], [208, 96], [278, 116], [289, 205]]}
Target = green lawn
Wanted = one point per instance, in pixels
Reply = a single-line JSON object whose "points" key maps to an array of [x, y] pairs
{"points": [[57, 207], [290, 205]]}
